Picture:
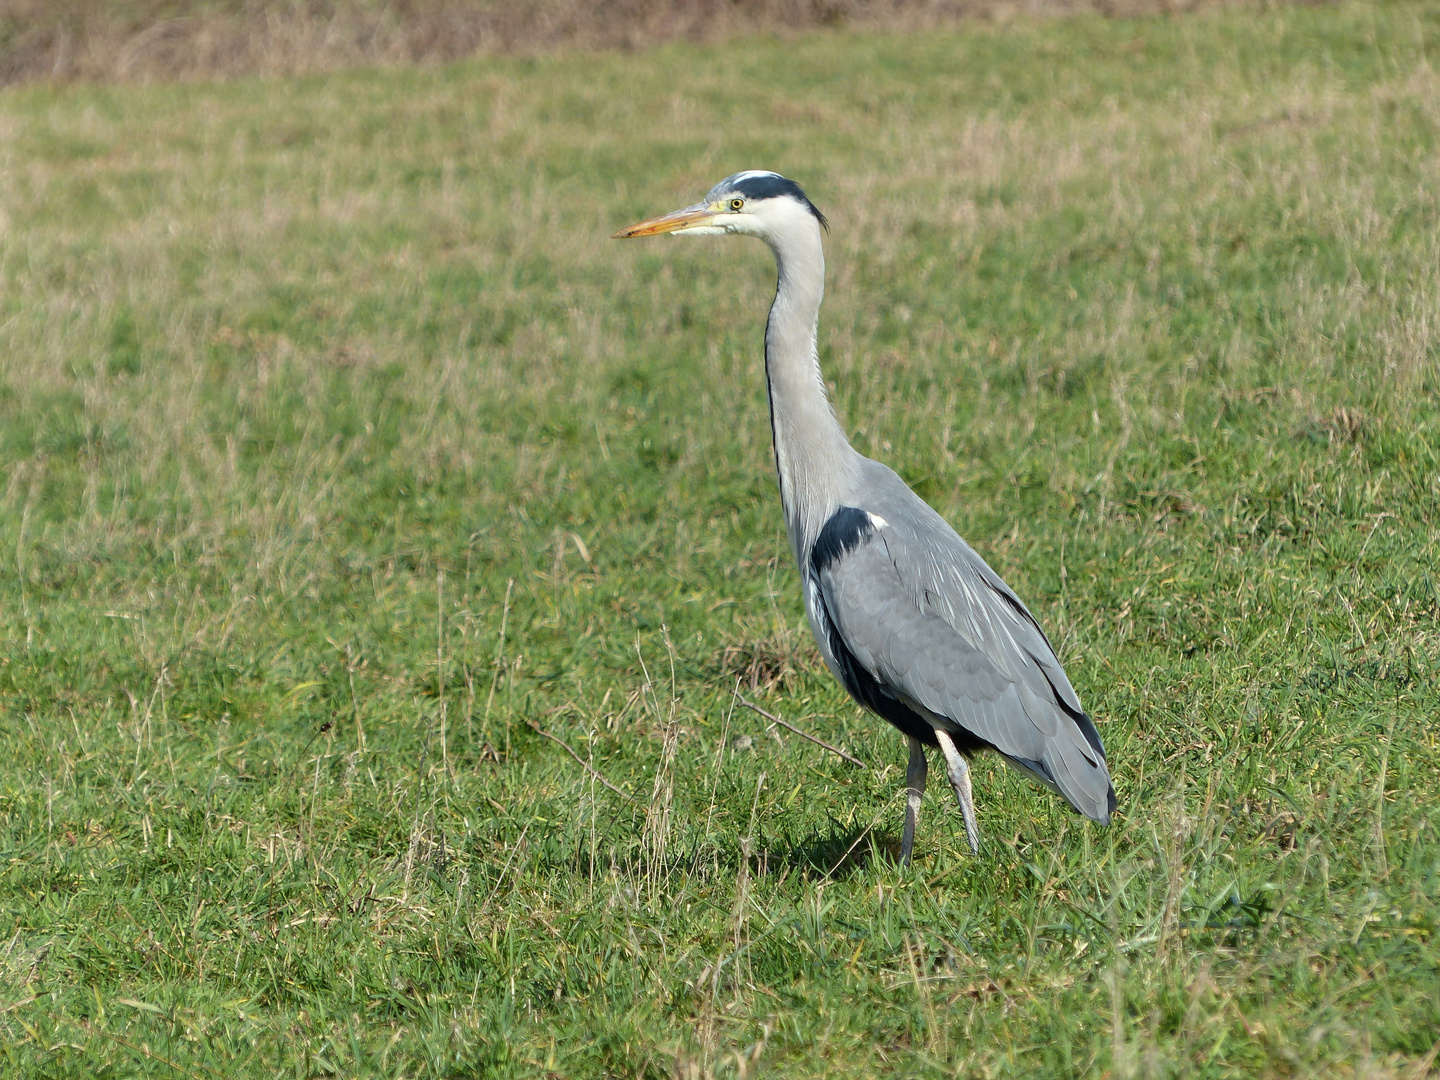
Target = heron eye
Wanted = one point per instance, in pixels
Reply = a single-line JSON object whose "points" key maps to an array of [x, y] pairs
{"points": [[737, 204]]}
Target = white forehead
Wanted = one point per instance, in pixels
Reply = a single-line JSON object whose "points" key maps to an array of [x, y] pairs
{"points": [[730, 183]]}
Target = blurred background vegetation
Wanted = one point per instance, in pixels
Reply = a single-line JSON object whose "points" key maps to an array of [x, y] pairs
{"points": [[143, 40]]}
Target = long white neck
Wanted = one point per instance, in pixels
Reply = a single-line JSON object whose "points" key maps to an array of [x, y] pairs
{"points": [[812, 455]]}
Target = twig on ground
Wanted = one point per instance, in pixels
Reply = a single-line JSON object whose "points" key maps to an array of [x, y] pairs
{"points": [[803, 734], [583, 763]]}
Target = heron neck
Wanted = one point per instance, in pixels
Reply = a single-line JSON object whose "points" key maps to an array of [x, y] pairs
{"points": [[812, 455]]}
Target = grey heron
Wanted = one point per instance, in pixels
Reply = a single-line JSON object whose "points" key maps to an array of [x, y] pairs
{"points": [[907, 616]]}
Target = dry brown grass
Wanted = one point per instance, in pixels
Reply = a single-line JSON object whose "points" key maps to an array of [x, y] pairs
{"points": [[147, 40]]}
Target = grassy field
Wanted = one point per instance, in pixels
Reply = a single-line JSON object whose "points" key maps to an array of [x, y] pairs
{"points": [[348, 469]]}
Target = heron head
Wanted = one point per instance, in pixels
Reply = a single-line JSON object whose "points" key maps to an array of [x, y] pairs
{"points": [[754, 203]]}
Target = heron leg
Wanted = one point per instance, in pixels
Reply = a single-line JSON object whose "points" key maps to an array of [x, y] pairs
{"points": [[960, 781], [915, 775]]}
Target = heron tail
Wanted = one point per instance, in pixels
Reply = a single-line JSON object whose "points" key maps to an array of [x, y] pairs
{"points": [[1072, 764]]}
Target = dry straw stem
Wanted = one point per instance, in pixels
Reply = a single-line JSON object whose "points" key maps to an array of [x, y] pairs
{"points": [[583, 763], [147, 40], [803, 734]]}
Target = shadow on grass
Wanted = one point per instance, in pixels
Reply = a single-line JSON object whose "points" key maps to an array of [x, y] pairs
{"points": [[840, 852]]}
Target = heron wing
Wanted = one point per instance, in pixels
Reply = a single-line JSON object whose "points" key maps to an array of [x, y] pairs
{"points": [[921, 612]]}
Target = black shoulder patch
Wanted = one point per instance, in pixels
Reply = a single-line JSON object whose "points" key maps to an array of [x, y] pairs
{"points": [[846, 530], [774, 186]]}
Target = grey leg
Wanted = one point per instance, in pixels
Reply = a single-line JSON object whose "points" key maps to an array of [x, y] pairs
{"points": [[960, 781], [915, 783]]}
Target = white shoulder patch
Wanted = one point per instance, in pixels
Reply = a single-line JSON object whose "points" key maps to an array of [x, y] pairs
{"points": [[877, 520]]}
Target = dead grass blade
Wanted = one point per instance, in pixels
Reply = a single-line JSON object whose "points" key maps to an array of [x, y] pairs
{"points": [[583, 763], [803, 734]]}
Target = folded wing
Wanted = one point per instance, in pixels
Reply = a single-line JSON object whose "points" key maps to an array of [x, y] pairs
{"points": [[924, 616]]}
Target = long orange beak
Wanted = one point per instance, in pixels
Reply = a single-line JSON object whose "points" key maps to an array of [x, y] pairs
{"points": [[698, 214]]}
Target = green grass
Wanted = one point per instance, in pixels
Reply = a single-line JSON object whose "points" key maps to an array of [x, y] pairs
{"points": [[340, 451]]}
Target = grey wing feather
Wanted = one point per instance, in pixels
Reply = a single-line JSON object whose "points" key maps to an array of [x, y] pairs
{"points": [[924, 614]]}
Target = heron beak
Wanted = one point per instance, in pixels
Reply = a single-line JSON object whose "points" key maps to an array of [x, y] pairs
{"points": [[676, 221]]}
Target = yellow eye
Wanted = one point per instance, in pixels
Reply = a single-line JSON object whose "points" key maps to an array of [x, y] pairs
{"points": [[737, 204]]}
